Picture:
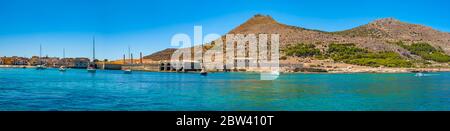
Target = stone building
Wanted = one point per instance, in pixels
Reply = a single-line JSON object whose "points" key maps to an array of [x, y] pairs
{"points": [[81, 62]]}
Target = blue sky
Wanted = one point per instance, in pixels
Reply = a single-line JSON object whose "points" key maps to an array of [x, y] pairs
{"points": [[147, 26]]}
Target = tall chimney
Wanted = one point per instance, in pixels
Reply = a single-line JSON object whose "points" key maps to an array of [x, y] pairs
{"points": [[124, 61], [140, 59], [131, 58]]}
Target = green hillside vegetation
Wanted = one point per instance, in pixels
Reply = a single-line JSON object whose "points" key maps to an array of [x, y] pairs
{"points": [[302, 50], [426, 51], [349, 53]]}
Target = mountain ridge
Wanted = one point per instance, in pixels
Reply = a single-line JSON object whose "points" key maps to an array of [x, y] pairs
{"points": [[377, 35]]}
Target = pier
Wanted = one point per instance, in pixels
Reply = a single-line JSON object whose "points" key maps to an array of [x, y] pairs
{"points": [[164, 66], [153, 67]]}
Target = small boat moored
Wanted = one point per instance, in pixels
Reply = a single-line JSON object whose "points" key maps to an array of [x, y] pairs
{"points": [[40, 67], [203, 72], [91, 69], [62, 68], [419, 74], [92, 66], [127, 71]]}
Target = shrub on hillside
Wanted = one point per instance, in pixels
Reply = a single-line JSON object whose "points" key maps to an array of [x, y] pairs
{"points": [[302, 50], [349, 53], [426, 51]]}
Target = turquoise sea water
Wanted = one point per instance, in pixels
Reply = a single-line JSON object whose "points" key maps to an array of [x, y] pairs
{"points": [[49, 90]]}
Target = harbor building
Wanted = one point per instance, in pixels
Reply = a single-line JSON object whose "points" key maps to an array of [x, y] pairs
{"points": [[81, 62]]}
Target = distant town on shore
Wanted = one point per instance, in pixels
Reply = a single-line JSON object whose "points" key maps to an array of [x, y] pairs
{"points": [[56, 62]]}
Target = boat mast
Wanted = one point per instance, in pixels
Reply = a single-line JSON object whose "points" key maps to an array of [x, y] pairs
{"points": [[93, 49], [64, 56], [129, 54], [64, 53], [40, 54]]}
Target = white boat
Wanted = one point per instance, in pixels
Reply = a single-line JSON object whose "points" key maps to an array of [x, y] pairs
{"points": [[127, 71], [91, 69], [62, 68], [203, 72], [419, 75], [40, 67]]}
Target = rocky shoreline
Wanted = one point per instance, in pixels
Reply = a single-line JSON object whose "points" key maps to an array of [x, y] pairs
{"points": [[390, 70], [366, 70], [16, 66]]}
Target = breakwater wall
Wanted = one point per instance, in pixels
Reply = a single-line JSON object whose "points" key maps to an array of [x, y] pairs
{"points": [[143, 67], [16, 66]]}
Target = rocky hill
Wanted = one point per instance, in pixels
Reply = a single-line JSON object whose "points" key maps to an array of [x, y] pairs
{"points": [[294, 35], [161, 55], [376, 36], [390, 29]]}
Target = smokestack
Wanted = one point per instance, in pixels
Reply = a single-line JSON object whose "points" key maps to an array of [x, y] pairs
{"points": [[140, 59], [131, 58], [124, 61]]}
